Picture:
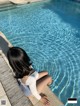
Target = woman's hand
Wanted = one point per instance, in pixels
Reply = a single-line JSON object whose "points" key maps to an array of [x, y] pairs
{"points": [[44, 99]]}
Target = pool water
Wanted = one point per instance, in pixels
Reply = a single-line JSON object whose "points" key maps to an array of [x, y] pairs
{"points": [[49, 32]]}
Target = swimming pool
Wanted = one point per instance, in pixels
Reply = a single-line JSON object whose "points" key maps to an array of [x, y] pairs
{"points": [[49, 31]]}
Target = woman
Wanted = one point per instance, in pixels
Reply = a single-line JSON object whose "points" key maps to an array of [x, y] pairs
{"points": [[31, 82]]}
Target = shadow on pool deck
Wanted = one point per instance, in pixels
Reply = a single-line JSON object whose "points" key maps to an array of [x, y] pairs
{"points": [[3, 46]]}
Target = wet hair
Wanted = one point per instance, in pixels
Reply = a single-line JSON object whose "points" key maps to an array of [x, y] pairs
{"points": [[19, 61]]}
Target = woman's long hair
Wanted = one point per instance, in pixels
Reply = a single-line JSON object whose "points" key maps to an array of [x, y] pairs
{"points": [[19, 61]]}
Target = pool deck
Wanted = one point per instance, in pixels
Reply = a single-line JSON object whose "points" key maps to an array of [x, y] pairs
{"points": [[9, 88], [4, 1]]}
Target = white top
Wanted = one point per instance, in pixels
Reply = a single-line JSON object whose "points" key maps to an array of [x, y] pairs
{"points": [[31, 82]]}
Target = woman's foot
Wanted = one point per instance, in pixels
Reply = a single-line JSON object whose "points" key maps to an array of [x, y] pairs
{"points": [[44, 99]]}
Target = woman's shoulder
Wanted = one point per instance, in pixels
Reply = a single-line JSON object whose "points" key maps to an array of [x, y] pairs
{"points": [[27, 77], [23, 80]]}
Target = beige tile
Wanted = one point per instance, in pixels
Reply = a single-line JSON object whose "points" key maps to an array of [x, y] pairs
{"points": [[4, 98], [2, 92], [33, 100], [39, 104]]}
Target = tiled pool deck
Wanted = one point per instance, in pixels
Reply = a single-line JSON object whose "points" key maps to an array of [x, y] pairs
{"points": [[3, 97], [9, 89]]}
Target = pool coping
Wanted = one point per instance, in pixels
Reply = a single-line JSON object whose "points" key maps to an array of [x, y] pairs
{"points": [[23, 1]]}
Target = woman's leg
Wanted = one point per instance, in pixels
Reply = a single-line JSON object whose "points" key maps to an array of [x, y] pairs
{"points": [[42, 74], [42, 82]]}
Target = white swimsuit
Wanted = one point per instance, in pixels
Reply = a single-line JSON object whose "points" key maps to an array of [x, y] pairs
{"points": [[30, 86]]}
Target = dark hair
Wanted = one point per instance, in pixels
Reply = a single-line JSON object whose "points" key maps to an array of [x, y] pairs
{"points": [[19, 61]]}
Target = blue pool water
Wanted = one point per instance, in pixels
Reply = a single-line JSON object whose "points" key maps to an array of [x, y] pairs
{"points": [[49, 31]]}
